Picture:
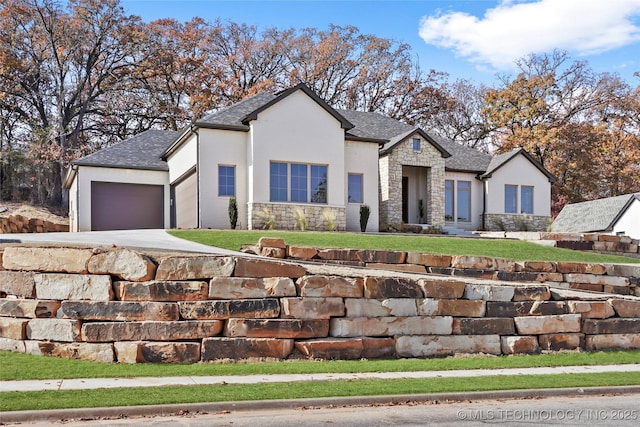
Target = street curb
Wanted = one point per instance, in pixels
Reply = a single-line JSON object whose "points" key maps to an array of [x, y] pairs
{"points": [[87, 414]]}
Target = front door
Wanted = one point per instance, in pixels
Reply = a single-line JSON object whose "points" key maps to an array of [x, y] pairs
{"points": [[405, 199]]}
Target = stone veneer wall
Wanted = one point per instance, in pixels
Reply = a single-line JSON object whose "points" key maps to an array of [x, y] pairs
{"points": [[122, 306], [512, 222], [284, 215]]}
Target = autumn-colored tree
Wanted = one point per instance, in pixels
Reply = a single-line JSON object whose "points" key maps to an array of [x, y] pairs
{"points": [[577, 124]]}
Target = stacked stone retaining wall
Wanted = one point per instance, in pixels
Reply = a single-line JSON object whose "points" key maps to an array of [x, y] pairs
{"points": [[23, 224], [118, 305]]}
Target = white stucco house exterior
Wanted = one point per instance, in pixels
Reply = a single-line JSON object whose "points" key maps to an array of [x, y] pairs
{"points": [[288, 155]]}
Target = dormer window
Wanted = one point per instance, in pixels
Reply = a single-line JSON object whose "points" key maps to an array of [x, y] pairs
{"points": [[416, 144]]}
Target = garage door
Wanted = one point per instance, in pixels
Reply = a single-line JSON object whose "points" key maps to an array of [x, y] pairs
{"points": [[185, 202], [118, 206]]}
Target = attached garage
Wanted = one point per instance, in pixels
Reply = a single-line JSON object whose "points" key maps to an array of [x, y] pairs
{"points": [[123, 206]]}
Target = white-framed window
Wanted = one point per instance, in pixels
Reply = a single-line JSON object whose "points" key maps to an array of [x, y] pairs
{"points": [[354, 188], [298, 182]]}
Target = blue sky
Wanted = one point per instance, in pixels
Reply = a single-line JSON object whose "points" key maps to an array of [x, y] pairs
{"points": [[470, 39]]}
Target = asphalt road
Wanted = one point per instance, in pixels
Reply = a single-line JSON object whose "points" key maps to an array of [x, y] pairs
{"points": [[614, 410]]}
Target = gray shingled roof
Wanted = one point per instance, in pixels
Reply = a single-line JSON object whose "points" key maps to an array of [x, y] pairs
{"points": [[142, 151], [374, 125], [463, 158], [233, 115], [591, 216]]}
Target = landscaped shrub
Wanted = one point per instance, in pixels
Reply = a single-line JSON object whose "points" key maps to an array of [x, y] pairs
{"points": [[233, 212], [365, 211], [330, 216], [301, 217]]}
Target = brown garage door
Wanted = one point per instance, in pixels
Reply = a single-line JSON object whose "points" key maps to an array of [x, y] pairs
{"points": [[185, 202], [118, 206]]}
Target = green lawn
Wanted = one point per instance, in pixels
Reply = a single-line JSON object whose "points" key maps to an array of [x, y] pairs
{"points": [[18, 366], [498, 248]]}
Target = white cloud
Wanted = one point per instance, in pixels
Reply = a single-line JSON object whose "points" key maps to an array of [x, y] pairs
{"points": [[515, 29]]}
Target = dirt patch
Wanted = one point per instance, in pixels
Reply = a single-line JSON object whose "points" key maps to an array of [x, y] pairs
{"points": [[35, 212]]}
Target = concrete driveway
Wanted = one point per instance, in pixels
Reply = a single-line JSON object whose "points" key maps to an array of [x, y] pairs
{"points": [[134, 239]]}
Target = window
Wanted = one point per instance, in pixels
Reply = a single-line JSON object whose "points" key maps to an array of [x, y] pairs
{"points": [[448, 200], [278, 182], [226, 180], [464, 201], [296, 182], [510, 199], [299, 183], [526, 199], [416, 144], [355, 188], [318, 184]]}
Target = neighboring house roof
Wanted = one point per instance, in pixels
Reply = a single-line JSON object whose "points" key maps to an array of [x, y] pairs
{"points": [[594, 215], [500, 160], [142, 151]]}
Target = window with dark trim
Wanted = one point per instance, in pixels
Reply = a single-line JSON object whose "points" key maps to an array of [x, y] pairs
{"points": [[297, 182], [416, 144], [449, 214], [464, 200], [226, 180], [354, 185], [526, 199], [510, 198]]}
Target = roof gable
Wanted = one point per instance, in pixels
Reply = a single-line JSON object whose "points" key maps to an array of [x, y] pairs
{"points": [[500, 160], [593, 215], [406, 135]]}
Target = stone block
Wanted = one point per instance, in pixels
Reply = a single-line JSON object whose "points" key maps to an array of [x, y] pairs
{"points": [[383, 257], [127, 352], [442, 271], [451, 307], [531, 293], [525, 308], [271, 242], [123, 263], [151, 330], [169, 352], [538, 325], [580, 268], [626, 308], [254, 267], [442, 289], [623, 270], [330, 286], [18, 284], [83, 351], [482, 263], [332, 348], [484, 326], [594, 279], [339, 254], [273, 253], [429, 260], [563, 341], [519, 345], [55, 260], [194, 267], [475, 273], [59, 286], [611, 326], [430, 345], [120, 310], [299, 252], [375, 348], [53, 330], [586, 287], [390, 326], [14, 345], [161, 290], [13, 328], [592, 309], [361, 307], [248, 287], [28, 308], [226, 309], [617, 290], [410, 268], [488, 292], [538, 266], [612, 342], [388, 287], [277, 328], [312, 308], [244, 348]]}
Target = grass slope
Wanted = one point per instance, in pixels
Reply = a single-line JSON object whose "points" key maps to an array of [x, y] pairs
{"points": [[498, 248]]}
